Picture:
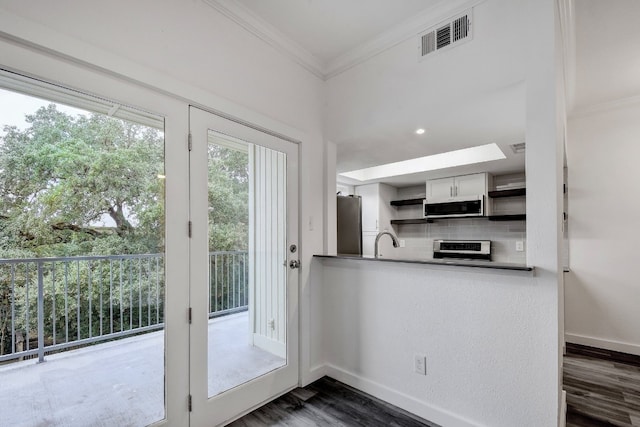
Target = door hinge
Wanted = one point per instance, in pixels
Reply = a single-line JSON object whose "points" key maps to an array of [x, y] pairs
{"points": [[190, 317], [189, 142], [190, 227], [190, 406]]}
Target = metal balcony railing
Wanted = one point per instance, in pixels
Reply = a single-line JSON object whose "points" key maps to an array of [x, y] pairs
{"points": [[54, 304]]}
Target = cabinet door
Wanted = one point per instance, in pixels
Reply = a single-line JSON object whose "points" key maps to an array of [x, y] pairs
{"points": [[471, 185], [370, 206], [440, 188], [368, 243]]}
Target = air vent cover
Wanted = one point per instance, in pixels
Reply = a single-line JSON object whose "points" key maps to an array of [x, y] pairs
{"points": [[447, 34], [444, 36], [519, 147], [428, 43], [460, 28]]}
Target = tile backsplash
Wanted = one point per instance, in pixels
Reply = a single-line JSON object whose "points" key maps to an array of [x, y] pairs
{"points": [[418, 238]]}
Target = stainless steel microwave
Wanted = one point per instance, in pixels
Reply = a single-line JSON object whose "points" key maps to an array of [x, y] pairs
{"points": [[455, 207]]}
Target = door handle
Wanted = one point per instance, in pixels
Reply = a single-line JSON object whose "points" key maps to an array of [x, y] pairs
{"points": [[294, 263]]}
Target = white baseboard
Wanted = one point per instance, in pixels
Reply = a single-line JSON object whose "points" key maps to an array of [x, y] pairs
{"points": [[267, 344], [314, 374], [399, 399], [562, 422], [603, 343]]}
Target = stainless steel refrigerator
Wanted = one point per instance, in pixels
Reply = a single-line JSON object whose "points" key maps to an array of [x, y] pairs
{"points": [[349, 225]]}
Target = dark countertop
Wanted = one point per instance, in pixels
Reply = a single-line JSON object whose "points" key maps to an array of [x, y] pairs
{"points": [[446, 262]]}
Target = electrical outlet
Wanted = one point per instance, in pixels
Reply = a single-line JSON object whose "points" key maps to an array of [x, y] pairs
{"points": [[420, 364], [272, 324], [519, 245], [402, 243]]}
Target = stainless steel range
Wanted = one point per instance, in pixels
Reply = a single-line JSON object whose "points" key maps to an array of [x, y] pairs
{"points": [[462, 249]]}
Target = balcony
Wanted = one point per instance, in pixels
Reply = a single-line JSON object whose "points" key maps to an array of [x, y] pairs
{"points": [[97, 322]]}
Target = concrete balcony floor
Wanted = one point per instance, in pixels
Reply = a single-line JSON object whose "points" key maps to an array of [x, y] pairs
{"points": [[120, 383]]}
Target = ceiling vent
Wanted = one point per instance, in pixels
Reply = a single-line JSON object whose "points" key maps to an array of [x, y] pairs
{"points": [[518, 148], [447, 34]]}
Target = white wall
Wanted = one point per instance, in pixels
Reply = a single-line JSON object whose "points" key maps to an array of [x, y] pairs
{"points": [[482, 332], [602, 289], [395, 90], [187, 41], [187, 50], [163, 56], [493, 340]]}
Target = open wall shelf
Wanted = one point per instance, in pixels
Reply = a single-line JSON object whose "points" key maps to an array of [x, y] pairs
{"points": [[513, 217], [514, 192], [497, 194], [406, 202], [411, 221], [511, 192]]}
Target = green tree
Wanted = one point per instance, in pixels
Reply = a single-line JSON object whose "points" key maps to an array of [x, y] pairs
{"points": [[60, 179], [63, 175], [228, 199]]}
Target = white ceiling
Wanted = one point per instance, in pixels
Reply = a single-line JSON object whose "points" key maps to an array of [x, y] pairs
{"points": [[494, 117], [469, 96], [330, 28]]}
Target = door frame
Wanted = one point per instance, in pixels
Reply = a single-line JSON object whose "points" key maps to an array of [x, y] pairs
{"points": [[230, 404]]}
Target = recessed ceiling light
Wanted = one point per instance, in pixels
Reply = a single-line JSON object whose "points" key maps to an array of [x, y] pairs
{"points": [[466, 156], [420, 131]]}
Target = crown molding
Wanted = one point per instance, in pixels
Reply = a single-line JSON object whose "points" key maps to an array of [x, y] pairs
{"points": [[408, 29], [242, 16], [630, 101], [428, 18]]}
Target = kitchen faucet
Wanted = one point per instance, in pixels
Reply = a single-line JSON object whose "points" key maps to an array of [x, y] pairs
{"points": [[382, 233]]}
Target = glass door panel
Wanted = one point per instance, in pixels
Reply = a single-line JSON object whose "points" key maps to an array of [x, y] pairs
{"points": [[82, 280], [247, 278], [243, 336]]}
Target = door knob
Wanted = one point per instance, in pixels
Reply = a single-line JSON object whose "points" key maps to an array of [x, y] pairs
{"points": [[294, 263]]}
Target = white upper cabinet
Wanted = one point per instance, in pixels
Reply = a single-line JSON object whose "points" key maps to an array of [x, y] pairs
{"points": [[472, 185], [440, 188], [458, 186]]}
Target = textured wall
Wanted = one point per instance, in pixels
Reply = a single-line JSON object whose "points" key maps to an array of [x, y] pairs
{"points": [[602, 289], [477, 328]]}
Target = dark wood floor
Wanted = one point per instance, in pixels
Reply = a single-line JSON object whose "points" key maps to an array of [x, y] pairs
{"points": [[328, 402], [603, 390], [603, 387]]}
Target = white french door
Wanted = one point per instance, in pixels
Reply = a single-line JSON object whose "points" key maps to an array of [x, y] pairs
{"points": [[243, 268]]}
